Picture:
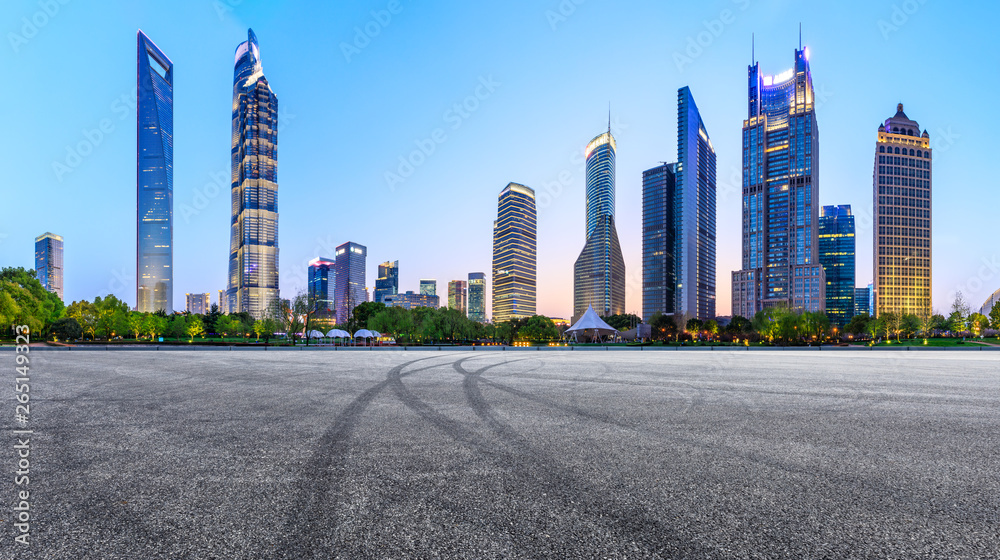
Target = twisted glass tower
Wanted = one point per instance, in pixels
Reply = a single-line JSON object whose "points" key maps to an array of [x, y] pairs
{"points": [[154, 178], [599, 272], [253, 249]]}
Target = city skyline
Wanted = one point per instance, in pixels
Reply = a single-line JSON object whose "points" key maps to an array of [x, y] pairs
{"points": [[841, 107]]}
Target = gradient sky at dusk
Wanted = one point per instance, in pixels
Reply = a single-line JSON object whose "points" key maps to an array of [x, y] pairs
{"points": [[346, 121]]}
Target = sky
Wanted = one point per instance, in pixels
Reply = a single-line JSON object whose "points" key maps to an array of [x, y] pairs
{"points": [[486, 93]]}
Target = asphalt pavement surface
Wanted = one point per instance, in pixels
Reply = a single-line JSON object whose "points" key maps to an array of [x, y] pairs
{"points": [[356, 455]]}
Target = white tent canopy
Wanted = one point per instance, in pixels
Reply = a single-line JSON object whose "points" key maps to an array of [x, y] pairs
{"points": [[337, 333], [316, 334], [591, 325], [365, 333]]}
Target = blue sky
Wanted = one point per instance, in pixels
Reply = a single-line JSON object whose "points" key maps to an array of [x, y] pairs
{"points": [[535, 79]]}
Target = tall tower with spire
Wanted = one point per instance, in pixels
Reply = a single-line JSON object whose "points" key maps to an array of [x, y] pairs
{"points": [[599, 271], [780, 194], [253, 249]]}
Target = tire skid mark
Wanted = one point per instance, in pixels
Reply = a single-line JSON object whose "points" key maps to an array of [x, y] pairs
{"points": [[625, 521], [319, 481]]}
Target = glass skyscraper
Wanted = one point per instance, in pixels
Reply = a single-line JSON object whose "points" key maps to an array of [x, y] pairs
{"points": [[428, 287], [387, 283], [836, 254], [659, 274], [515, 254], [322, 280], [253, 250], [49, 262], [154, 178], [350, 287], [458, 295], [695, 209], [902, 203], [862, 301], [599, 271], [477, 297], [780, 194]]}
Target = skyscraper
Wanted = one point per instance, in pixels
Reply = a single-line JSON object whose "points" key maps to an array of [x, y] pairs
{"points": [[457, 295], [428, 287], [515, 254], [862, 301], [197, 303], [322, 280], [659, 235], [154, 178], [387, 283], [599, 271], [695, 208], [836, 254], [902, 203], [253, 250], [477, 297], [223, 307], [780, 194], [49, 262], [350, 271]]}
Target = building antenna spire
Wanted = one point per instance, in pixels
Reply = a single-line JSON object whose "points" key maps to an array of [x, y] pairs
{"points": [[753, 49], [609, 117], [800, 35]]}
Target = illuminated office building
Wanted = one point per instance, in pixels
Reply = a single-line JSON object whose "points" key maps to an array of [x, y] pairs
{"points": [[659, 235], [836, 253], [599, 271], [322, 283], [902, 202], [253, 249], [154, 178], [410, 300], [49, 262], [477, 297], [695, 213], [862, 300], [428, 287], [515, 254], [197, 303], [387, 283], [780, 264], [457, 295], [350, 279]]}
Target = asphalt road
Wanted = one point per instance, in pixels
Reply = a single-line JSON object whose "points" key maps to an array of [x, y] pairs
{"points": [[145, 455]]}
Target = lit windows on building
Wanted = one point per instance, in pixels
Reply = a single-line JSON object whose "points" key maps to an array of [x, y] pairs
{"points": [[780, 193], [154, 178], [599, 271], [458, 295], [387, 283], [837, 249], [902, 218], [49, 262], [477, 297], [350, 279], [253, 256], [514, 254]]}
